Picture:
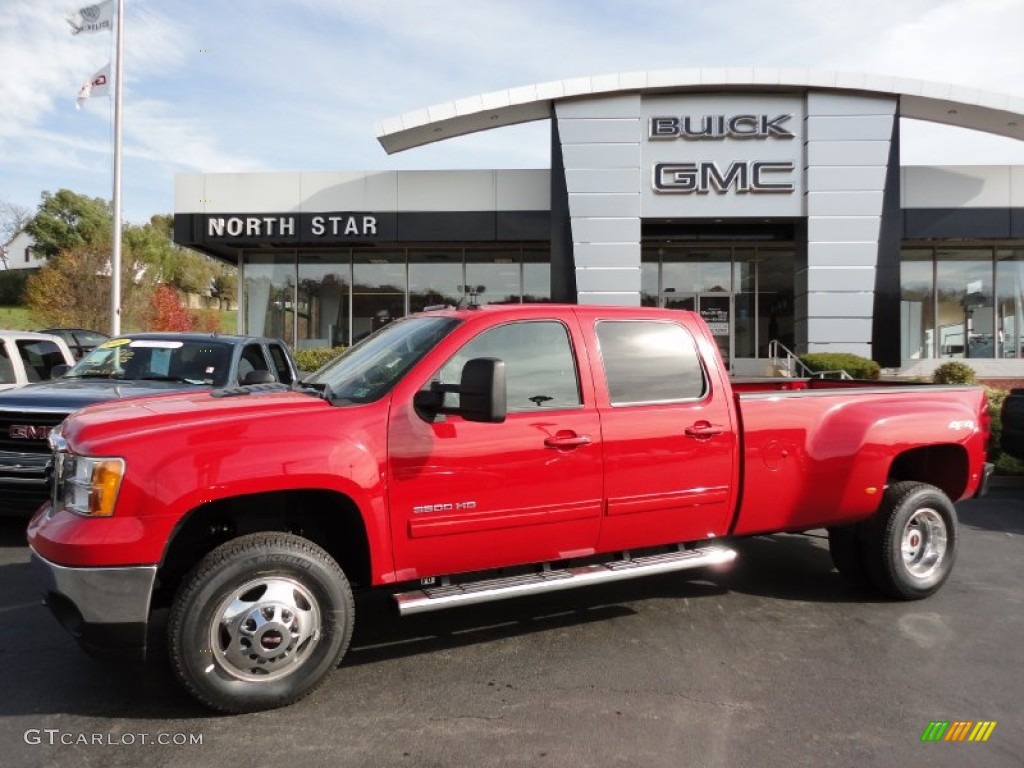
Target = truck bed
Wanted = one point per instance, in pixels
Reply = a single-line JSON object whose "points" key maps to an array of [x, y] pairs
{"points": [[819, 452]]}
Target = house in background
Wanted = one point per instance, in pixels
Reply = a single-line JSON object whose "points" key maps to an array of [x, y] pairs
{"points": [[20, 253]]}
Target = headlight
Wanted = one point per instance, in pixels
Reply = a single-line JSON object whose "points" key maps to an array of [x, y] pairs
{"points": [[87, 485]]}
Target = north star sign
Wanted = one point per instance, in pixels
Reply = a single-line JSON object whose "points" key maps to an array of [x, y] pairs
{"points": [[328, 227], [704, 176]]}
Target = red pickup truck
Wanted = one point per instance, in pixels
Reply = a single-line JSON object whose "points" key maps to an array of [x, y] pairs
{"points": [[459, 456]]}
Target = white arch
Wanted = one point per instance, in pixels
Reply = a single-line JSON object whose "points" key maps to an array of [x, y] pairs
{"points": [[945, 103]]}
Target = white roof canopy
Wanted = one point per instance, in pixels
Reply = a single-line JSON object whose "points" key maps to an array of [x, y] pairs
{"points": [[955, 105]]}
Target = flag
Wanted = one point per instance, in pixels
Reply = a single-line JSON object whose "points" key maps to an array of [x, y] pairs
{"points": [[92, 18], [99, 85]]}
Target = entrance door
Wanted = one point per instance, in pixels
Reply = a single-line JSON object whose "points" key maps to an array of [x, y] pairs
{"points": [[717, 311]]}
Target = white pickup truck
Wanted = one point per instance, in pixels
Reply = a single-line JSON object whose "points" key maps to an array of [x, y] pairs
{"points": [[26, 356]]}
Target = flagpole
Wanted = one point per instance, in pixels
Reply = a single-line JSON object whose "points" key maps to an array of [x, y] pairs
{"points": [[115, 256]]}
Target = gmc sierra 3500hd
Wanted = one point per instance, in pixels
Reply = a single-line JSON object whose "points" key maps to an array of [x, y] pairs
{"points": [[564, 445]]}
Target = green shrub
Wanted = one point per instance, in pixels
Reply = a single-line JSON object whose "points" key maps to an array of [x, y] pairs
{"points": [[1005, 464], [855, 365], [313, 358], [12, 286], [954, 372]]}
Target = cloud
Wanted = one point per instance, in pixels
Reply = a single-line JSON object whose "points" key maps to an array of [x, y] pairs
{"points": [[302, 85]]}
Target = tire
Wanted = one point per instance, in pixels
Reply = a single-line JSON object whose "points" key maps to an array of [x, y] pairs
{"points": [[259, 622], [911, 542], [846, 546]]}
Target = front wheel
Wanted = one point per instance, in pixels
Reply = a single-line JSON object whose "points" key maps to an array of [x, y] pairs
{"points": [[911, 543], [260, 622]]}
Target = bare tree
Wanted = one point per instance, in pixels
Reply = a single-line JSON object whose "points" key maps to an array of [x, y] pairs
{"points": [[13, 218]]}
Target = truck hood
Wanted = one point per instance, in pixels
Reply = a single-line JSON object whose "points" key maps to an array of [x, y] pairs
{"points": [[71, 394], [92, 427]]}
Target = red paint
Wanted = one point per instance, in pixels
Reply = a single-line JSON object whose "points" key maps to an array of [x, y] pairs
{"points": [[454, 495]]}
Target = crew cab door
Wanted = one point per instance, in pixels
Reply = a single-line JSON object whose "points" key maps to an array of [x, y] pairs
{"points": [[470, 496], [669, 437]]}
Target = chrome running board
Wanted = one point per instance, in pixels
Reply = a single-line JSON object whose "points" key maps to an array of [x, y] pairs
{"points": [[449, 596]]}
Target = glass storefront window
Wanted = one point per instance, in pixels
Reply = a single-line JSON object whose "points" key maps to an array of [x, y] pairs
{"points": [[917, 304], [435, 278], [964, 303], [759, 282], [378, 291], [649, 278], [323, 299], [536, 276], [775, 305], [1010, 303], [744, 281], [494, 276], [695, 270], [269, 295]]}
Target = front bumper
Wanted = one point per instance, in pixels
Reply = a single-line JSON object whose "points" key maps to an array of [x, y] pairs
{"points": [[105, 609], [24, 484]]}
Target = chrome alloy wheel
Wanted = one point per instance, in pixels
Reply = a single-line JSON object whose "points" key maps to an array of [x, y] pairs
{"points": [[265, 629], [924, 543]]}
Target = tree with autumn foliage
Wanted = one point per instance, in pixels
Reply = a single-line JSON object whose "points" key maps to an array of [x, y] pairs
{"points": [[167, 313], [73, 290], [74, 232], [207, 320]]}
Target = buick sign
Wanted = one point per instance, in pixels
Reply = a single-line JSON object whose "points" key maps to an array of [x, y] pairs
{"points": [[720, 127]]}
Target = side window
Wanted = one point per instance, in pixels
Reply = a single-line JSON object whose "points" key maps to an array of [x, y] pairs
{"points": [[252, 360], [540, 368], [39, 357], [6, 366], [280, 358], [649, 362]]}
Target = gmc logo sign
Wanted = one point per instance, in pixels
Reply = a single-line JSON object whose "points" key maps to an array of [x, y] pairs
{"points": [[27, 432], [704, 177]]}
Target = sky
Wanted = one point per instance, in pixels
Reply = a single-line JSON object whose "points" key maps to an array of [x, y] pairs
{"points": [[227, 86]]}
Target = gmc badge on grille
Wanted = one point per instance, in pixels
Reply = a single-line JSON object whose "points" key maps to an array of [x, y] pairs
{"points": [[27, 432]]}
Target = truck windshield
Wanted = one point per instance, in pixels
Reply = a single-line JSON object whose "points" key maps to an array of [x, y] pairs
{"points": [[193, 362], [368, 370]]}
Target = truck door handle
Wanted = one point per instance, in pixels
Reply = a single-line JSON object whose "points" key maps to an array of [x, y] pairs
{"points": [[703, 430], [566, 438]]}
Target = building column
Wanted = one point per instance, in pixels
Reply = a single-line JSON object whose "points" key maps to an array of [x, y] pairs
{"points": [[600, 149], [847, 156]]}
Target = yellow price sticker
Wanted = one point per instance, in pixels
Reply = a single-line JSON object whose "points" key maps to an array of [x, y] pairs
{"points": [[114, 343]]}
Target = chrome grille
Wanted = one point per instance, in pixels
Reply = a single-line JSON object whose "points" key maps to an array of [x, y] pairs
{"points": [[38, 425]]}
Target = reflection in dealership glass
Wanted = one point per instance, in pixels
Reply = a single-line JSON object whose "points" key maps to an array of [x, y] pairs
{"points": [[540, 367], [202, 363], [369, 370]]}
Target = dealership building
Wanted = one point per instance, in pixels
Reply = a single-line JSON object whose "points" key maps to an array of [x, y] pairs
{"points": [[773, 202]]}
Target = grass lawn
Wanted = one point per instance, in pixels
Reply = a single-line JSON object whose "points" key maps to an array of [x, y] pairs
{"points": [[15, 319], [229, 321]]}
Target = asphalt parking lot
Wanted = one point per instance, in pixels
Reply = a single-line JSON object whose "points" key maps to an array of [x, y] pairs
{"points": [[774, 662]]}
